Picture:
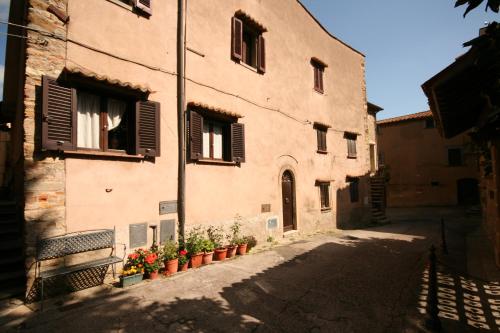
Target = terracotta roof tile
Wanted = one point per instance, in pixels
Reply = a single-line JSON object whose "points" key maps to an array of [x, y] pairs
{"points": [[413, 116], [213, 109]]}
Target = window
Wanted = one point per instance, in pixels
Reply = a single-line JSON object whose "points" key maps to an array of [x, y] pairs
{"points": [[215, 137], [353, 188], [429, 123], [351, 144], [455, 157], [248, 44], [324, 192], [318, 70], [321, 131], [78, 119]]}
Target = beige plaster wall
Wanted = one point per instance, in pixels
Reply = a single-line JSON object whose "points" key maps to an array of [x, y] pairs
{"points": [[275, 140], [415, 156]]}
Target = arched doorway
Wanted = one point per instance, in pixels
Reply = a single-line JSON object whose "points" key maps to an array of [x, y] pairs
{"points": [[288, 194], [467, 192]]}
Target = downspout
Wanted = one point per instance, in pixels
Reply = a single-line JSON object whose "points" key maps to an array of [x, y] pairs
{"points": [[181, 121]]}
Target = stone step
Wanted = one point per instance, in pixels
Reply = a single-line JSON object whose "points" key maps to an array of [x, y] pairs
{"points": [[9, 260], [12, 275], [9, 228], [10, 292], [11, 244]]}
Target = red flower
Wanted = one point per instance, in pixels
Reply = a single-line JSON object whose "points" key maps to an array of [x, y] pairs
{"points": [[150, 259], [133, 256], [183, 252]]}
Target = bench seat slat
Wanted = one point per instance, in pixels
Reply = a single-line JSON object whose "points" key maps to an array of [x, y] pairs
{"points": [[80, 267]]}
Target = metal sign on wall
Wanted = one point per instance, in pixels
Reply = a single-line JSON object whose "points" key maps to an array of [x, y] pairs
{"points": [[168, 207], [138, 235], [272, 223], [167, 230]]}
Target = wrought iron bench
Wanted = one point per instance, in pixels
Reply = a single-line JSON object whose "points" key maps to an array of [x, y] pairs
{"points": [[74, 243]]}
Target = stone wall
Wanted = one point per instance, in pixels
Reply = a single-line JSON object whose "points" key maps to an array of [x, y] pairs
{"points": [[44, 174]]}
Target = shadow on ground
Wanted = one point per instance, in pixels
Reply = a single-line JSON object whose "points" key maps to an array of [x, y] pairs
{"points": [[353, 285]]}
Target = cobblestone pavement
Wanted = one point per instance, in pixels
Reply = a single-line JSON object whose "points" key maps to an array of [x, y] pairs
{"points": [[370, 280]]}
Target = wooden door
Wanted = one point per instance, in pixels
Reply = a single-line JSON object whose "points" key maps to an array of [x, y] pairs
{"points": [[288, 191]]}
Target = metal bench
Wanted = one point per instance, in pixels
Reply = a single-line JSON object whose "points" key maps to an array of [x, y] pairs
{"points": [[74, 243]]}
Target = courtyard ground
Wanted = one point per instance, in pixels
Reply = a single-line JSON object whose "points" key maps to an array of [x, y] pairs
{"points": [[371, 280]]}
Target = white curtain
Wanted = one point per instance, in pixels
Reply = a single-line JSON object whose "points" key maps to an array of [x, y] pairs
{"points": [[116, 109], [217, 141], [88, 120], [206, 140]]}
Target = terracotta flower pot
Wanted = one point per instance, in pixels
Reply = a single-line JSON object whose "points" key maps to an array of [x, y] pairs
{"points": [[231, 251], [207, 258], [242, 249], [153, 275], [184, 267], [196, 260], [171, 266], [220, 254]]}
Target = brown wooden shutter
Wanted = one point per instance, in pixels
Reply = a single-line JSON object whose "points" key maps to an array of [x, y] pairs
{"points": [[320, 78], [261, 55], [316, 81], [238, 142], [237, 38], [147, 128], [58, 116], [144, 6], [195, 135]]}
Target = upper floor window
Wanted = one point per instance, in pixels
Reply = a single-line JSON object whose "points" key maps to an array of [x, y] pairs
{"points": [[351, 144], [86, 118], [215, 136], [455, 157], [248, 43], [318, 71], [429, 123], [321, 131]]}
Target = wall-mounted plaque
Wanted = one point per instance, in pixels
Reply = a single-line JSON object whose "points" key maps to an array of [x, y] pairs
{"points": [[272, 223], [167, 230], [138, 235], [265, 208], [168, 207]]}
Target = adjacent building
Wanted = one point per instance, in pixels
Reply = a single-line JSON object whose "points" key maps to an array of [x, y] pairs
{"points": [[278, 129], [424, 169]]}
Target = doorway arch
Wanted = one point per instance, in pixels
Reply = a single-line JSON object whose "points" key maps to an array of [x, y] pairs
{"points": [[288, 201]]}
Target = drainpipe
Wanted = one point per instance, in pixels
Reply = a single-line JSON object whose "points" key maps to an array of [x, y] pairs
{"points": [[181, 121]]}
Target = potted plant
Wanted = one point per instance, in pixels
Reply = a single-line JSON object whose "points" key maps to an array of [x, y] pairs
{"points": [[232, 238], [133, 270], [194, 246], [242, 245], [208, 251], [183, 260], [251, 242], [216, 236], [170, 255], [152, 263]]}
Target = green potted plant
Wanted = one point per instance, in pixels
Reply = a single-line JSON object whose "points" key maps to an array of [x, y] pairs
{"points": [[242, 245], [183, 260], [251, 242], [133, 270], [232, 238], [152, 263], [208, 251], [216, 236], [170, 255], [194, 246]]}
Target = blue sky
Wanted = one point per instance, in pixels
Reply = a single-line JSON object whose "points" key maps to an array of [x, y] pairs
{"points": [[4, 15], [405, 43]]}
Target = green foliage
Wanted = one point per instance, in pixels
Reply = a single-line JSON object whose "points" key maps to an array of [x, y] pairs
{"points": [[251, 241], [194, 240], [234, 235], [169, 251], [216, 236], [493, 5], [270, 239], [207, 246]]}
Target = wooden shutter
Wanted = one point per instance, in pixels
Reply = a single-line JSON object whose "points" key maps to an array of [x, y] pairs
{"points": [[58, 116], [320, 78], [147, 128], [144, 6], [195, 135], [238, 142], [237, 38], [316, 83], [261, 54]]}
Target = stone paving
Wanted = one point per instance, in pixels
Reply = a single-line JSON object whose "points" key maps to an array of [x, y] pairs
{"points": [[369, 280]]}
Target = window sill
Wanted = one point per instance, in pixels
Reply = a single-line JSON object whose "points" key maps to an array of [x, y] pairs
{"points": [[321, 92], [326, 210], [322, 152], [122, 4], [98, 154], [352, 157], [216, 162], [247, 66]]}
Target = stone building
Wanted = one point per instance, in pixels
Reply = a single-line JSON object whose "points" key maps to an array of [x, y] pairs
{"points": [[279, 134], [424, 169]]}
